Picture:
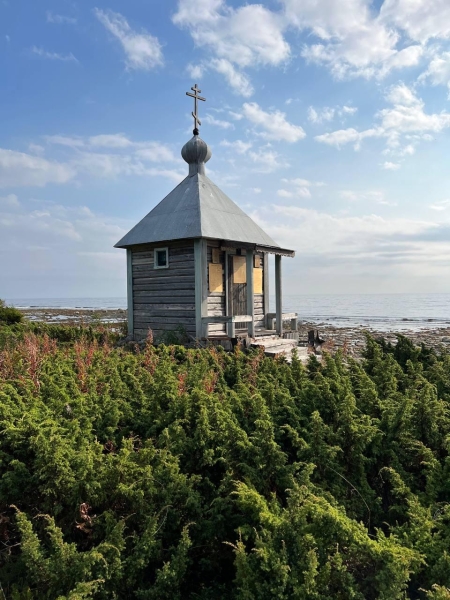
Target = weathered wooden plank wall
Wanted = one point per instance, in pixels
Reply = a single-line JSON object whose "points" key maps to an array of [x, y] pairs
{"points": [[163, 299], [216, 300]]}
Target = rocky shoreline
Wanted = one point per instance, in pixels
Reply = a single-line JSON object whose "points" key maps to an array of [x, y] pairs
{"points": [[349, 339], [75, 316], [352, 339]]}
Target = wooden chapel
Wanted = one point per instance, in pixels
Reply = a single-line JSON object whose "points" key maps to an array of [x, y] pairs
{"points": [[198, 261]]}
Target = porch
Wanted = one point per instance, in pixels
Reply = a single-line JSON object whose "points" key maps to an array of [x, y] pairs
{"points": [[232, 291]]}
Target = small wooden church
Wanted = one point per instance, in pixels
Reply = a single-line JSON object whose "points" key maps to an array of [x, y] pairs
{"points": [[199, 262]]}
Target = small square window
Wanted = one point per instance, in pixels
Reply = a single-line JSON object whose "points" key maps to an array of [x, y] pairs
{"points": [[161, 258]]}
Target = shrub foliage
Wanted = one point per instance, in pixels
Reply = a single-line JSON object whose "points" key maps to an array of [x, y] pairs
{"points": [[9, 315], [174, 473]]}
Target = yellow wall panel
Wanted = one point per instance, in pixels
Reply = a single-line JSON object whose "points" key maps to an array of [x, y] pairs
{"points": [[257, 281], [239, 269], [215, 278]]}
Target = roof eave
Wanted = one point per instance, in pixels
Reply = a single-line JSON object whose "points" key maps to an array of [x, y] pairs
{"points": [[280, 251], [225, 244], [232, 245]]}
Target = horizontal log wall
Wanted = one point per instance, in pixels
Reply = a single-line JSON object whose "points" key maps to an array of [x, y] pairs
{"points": [[163, 299]]}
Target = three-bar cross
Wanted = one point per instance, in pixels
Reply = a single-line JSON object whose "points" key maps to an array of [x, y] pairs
{"points": [[196, 97]]}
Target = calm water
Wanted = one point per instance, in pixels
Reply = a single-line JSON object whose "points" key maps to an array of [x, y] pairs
{"points": [[379, 311]]}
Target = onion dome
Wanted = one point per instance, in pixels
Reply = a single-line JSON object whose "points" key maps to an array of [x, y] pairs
{"points": [[196, 153]]}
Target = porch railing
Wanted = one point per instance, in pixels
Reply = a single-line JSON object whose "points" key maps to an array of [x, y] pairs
{"points": [[229, 322]]}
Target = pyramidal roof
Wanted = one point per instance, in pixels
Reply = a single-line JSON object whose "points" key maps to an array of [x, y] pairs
{"points": [[196, 208]]}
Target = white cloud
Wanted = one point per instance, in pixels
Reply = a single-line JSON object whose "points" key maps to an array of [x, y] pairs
{"points": [[420, 19], [401, 94], [256, 190], [195, 71], [36, 149], [365, 244], [350, 37], [267, 160], [63, 140], [406, 118], [53, 55], [238, 38], [390, 166], [300, 188], [10, 201], [328, 113], [218, 122], [353, 41], [376, 196], [408, 150], [142, 50], [148, 150], [112, 166], [237, 80], [438, 71], [105, 156], [349, 195], [284, 194], [60, 19], [407, 114], [303, 182], [21, 169], [347, 136], [238, 145], [298, 192], [60, 251], [349, 110], [320, 115], [155, 152], [441, 205], [117, 140], [274, 124], [247, 36], [298, 181]]}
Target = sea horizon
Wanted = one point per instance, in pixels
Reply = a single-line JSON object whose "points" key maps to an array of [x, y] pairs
{"points": [[380, 311]]}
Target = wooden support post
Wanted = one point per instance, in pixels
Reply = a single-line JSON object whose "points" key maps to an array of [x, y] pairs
{"points": [[130, 307], [266, 307], [278, 295], [201, 287], [250, 294], [229, 327]]}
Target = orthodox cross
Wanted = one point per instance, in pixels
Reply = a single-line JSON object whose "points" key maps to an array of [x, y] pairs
{"points": [[196, 97]]}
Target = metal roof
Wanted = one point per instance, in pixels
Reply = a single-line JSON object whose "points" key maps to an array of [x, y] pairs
{"points": [[196, 208]]}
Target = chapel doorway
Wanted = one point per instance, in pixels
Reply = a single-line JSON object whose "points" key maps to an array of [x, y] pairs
{"points": [[237, 288]]}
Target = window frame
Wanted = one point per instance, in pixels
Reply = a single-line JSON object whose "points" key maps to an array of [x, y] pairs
{"points": [[155, 260]]}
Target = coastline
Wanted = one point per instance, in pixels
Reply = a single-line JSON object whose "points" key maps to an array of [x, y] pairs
{"points": [[74, 316], [352, 338], [349, 338]]}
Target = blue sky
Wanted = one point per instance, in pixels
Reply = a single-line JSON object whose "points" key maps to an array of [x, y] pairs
{"points": [[329, 123]]}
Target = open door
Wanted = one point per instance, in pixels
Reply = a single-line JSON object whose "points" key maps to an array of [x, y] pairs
{"points": [[237, 288]]}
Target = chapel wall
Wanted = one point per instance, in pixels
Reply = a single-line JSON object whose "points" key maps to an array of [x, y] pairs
{"points": [[163, 299]]}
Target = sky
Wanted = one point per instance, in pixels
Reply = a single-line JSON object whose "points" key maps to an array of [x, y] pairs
{"points": [[329, 123]]}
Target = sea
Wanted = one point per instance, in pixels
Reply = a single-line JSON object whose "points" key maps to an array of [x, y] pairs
{"points": [[382, 312]]}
